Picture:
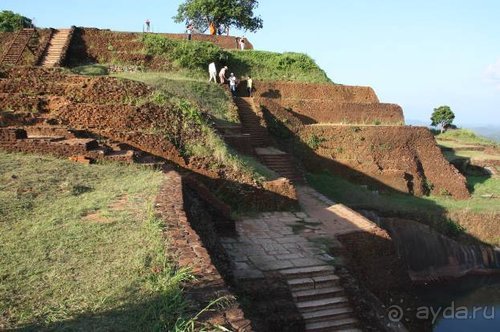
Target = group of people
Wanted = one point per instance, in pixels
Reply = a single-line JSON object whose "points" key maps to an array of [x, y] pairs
{"points": [[240, 41], [231, 80], [218, 30]]}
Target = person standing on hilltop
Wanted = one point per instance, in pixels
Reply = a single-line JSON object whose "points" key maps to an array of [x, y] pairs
{"points": [[148, 25], [212, 29], [212, 71], [242, 43], [222, 75], [189, 29]]}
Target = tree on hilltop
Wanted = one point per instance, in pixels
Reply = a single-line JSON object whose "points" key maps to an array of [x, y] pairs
{"points": [[222, 13], [443, 117], [10, 21]]}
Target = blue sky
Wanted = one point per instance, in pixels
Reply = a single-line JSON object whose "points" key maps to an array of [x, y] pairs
{"points": [[419, 54]]}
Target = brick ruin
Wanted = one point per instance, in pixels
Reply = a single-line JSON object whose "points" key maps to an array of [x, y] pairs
{"points": [[346, 130], [341, 129]]}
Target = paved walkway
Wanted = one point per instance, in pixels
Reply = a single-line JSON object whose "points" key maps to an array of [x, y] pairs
{"points": [[335, 218], [295, 245]]}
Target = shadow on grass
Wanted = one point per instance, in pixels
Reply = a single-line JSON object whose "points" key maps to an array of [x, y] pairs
{"points": [[327, 175]]}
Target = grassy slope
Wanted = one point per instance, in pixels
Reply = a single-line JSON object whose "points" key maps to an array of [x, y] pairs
{"points": [[431, 209], [59, 268], [359, 197], [463, 139], [211, 98], [271, 66]]}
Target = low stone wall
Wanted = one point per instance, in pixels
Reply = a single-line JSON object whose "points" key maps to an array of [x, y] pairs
{"points": [[226, 42], [16, 140], [187, 248], [432, 256], [328, 111], [334, 92]]}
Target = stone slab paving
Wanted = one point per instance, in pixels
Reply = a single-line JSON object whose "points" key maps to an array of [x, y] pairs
{"points": [[295, 245], [335, 218], [273, 242]]}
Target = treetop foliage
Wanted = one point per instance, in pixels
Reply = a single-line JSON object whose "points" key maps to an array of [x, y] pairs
{"points": [[442, 116], [222, 13]]}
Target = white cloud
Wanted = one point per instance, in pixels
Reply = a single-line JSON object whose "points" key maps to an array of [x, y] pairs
{"points": [[493, 73]]}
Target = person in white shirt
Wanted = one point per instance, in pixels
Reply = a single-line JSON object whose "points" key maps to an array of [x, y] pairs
{"points": [[242, 43], [222, 75], [232, 84], [212, 71]]}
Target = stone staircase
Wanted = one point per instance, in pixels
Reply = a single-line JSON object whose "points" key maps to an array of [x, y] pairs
{"points": [[280, 162], [253, 124], [16, 49], [56, 48], [320, 299]]}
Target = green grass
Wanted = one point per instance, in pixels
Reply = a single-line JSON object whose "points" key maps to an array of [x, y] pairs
{"points": [[91, 70], [193, 57], [210, 98], [198, 138], [465, 136], [356, 196], [470, 154], [271, 66], [80, 248]]}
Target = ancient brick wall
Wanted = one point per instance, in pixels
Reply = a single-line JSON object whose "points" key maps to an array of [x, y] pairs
{"points": [[333, 92], [186, 246], [402, 157], [226, 42], [328, 111], [105, 46]]}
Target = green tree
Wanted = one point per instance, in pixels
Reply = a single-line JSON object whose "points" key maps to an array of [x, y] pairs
{"points": [[223, 13], [10, 21], [442, 116]]}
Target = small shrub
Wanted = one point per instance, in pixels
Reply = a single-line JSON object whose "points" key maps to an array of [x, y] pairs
{"points": [[428, 186], [451, 228], [377, 122], [315, 141], [444, 192]]}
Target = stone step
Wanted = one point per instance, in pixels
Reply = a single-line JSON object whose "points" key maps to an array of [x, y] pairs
{"points": [[333, 325], [311, 271], [317, 293], [327, 314], [47, 138], [322, 304], [296, 284], [281, 164], [88, 143]]}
